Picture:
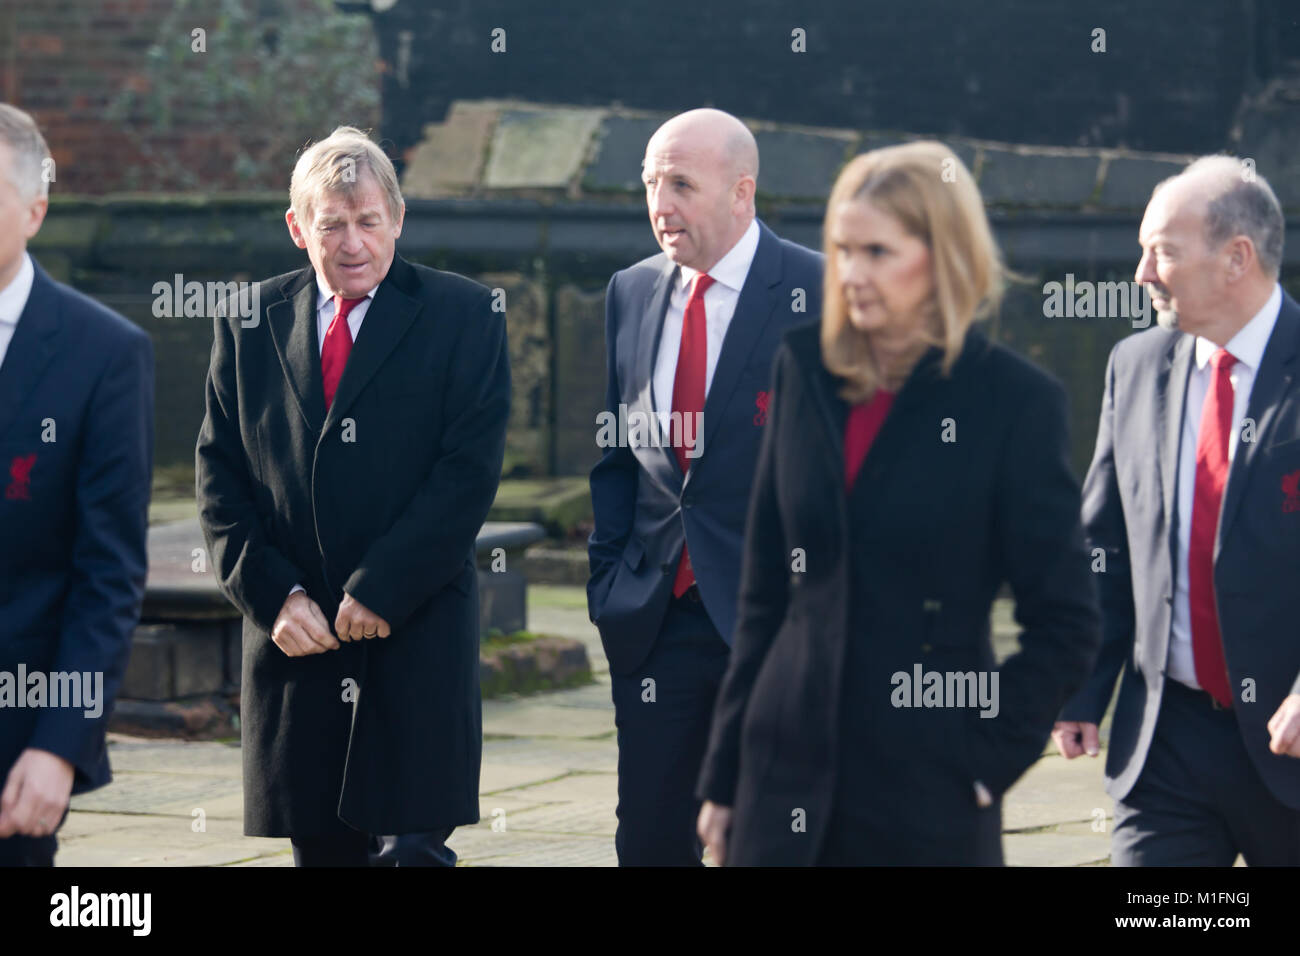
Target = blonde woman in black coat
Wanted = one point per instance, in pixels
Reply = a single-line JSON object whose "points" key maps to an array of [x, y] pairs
{"points": [[910, 468]]}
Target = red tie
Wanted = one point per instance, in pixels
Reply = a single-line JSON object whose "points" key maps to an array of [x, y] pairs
{"points": [[1211, 477], [688, 395], [338, 345]]}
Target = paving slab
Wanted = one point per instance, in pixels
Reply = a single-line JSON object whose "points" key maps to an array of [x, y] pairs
{"points": [[581, 787], [176, 756], [1055, 790], [548, 784], [153, 840], [164, 793], [563, 818], [530, 717], [282, 858], [1056, 849], [481, 846], [503, 778], [599, 755]]}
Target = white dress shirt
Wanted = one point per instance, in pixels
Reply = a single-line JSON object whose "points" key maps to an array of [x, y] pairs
{"points": [[325, 311], [719, 306], [13, 299], [1247, 347]]}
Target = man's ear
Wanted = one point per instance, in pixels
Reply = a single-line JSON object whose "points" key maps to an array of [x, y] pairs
{"points": [[401, 218], [1241, 256], [744, 192], [295, 233], [35, 216]]}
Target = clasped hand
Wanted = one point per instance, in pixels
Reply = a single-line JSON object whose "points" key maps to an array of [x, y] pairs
{"points": [[301, 628]]}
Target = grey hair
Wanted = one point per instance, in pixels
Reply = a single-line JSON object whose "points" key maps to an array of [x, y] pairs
{"points": [[334, 165], [1241, 203], [30, 152]]}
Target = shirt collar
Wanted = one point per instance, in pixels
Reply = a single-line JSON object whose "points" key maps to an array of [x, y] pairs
{"points": [[13, 297], [732, 268], [323, 293], [1247, 346]]}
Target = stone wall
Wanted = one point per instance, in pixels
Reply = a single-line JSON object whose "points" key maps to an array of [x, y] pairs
{"points": [[1171, 76], [548, 216]]}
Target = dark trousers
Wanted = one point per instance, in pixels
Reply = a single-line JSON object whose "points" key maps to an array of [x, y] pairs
{"points": [[663, 712], [356, 848], [1199, 800], [28, 851]]}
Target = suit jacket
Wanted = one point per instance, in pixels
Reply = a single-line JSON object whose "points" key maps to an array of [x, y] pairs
{"points": [[1129, 510], [73, 514], [381, 497], [643, 506], [899, 574]]}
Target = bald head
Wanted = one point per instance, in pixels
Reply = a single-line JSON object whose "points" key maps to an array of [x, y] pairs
{"points": [[722, 137], [700, 172]]}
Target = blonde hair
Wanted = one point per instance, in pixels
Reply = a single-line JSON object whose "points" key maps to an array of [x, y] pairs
{"points": [[335, 165], [931, 193]]}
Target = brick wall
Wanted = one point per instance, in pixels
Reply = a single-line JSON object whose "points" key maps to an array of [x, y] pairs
{"points": [[67, 62]]}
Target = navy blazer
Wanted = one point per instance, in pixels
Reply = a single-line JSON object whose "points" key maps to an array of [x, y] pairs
{"points": [[643, 506], [1129, 509], [74, 512]]}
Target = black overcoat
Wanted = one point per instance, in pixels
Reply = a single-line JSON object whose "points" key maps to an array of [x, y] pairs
{"points": [[967, 486], [382, 498]]}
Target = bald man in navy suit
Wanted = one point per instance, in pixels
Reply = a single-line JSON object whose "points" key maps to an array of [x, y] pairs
{"points": [[690, 334]]}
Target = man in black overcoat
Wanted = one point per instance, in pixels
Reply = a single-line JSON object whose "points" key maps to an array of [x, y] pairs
{"points": [[353, 441]]}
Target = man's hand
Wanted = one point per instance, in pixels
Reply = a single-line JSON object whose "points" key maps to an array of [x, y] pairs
{"points": [[356, 621], [1285, 728], [712, 826], [301, 628], [35, 795], [1075, 737]]}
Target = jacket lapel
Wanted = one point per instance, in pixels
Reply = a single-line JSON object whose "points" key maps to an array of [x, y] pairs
{"points": [[34, 343], [293, 330], [1276, 372], [1171, 391], [748, 323], [387, 319], [648, 336], [824, 387]]}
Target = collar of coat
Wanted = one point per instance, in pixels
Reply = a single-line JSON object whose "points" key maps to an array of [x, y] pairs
{"points": [[292, 321], [804, 343]]}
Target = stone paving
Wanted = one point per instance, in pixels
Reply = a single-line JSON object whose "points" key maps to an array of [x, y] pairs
{"points": [[548, 787]]}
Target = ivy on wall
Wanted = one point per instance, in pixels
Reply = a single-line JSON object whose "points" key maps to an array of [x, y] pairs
{"points": [[230, 92]]}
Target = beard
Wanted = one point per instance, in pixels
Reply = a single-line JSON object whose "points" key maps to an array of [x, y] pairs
{"points": [[1167, 319]]}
